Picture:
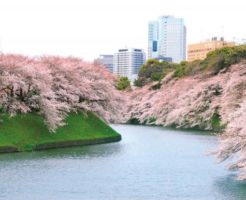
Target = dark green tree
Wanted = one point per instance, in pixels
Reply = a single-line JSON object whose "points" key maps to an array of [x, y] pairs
{"points": [[123, 83], [153, 70]]}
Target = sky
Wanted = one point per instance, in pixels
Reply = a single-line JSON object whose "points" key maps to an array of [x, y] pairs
{"points": [[87, 29]]}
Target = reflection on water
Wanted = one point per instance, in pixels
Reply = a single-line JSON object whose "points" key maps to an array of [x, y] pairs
{"points": [[150, 163], [73, 153], [231, 188]]}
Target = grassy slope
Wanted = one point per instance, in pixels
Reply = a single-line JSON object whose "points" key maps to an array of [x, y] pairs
{"points": [[26, 131]]}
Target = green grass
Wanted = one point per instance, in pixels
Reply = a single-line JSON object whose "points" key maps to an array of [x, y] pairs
{"points": [[25, 131]]}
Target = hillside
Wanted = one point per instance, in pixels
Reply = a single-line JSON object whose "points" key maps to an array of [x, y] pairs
{"points": [[27, 132], [38, 95]]}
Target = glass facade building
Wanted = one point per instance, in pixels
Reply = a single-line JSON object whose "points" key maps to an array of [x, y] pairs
{"points": [[167, 38], [127, 62]]}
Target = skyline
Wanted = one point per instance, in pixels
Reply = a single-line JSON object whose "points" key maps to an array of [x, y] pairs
{"points": [[88, 29]]}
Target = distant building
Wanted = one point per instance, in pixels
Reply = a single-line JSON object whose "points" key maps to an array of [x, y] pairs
{"points": [[107, 61], [239, 41], [199, 51], [128, 61], [153, 37], [167, 38]]}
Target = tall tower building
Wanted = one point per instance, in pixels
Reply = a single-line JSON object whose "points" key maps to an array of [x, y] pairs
{"points": [[127, 62], [153, 39], [167, 39]]}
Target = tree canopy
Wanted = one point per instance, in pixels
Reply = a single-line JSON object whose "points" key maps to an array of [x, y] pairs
{"points": [[55, 86], [153, 70], [217, 60], [123, 83]]}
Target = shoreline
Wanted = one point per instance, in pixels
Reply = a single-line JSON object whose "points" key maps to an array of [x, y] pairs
{"points": [[28, 132], [62, 144]]}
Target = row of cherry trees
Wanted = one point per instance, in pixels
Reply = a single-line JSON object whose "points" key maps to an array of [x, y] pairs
{"points": [[55, 86], [201, 101]]}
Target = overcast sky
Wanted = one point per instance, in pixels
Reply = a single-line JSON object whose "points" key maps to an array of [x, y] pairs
{"points": [[88, 28]]}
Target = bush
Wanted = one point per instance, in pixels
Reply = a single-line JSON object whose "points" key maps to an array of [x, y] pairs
{"points": [[153, 70], [216, 123], [223, 58], [215, 61], [187, 68], [123, 83], [139, 82], [133, 121], [156, 76]]}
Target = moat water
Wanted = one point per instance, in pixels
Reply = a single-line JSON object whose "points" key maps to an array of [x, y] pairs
{"points": [[150, 163]]}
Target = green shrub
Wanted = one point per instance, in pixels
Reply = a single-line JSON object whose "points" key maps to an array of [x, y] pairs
{"points": [[152, 120], [187, 68], [133, 121], [223, 58], [216, 122], [156, 76], [215, 61], [123, 83], [153, 70], [139, 82]]}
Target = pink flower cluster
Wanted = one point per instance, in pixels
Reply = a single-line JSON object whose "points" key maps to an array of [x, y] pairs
{"points": [[55, 86]]}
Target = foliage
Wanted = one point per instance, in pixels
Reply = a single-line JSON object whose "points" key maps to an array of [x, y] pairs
{"points": [[223, 58], [123, 83], [216, 123], [151, 120], [29, 130], [139, 82], [55, 86], [187, 68], [133, 121], [214, 62], [153, 70]]}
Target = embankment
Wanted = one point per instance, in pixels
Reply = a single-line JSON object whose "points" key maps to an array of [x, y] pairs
{"points": [[27, 132]]}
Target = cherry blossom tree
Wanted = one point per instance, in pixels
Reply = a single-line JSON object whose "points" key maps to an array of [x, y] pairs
{"points": [[203, 101], [55, 86]]}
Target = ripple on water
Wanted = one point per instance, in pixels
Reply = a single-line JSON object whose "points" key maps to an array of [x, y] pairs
{"points": [[149, 163]]}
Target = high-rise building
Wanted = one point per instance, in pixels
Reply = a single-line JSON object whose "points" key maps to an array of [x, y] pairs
{"points": [[167, 38], [200, 50], [106, 61], [128, 61]]}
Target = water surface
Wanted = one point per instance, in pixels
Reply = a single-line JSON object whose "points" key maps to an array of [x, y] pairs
{"points": [[150, 163]]}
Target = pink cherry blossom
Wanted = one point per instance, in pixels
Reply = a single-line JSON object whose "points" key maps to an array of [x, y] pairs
{"points": [[55, 86], [192, 101]]}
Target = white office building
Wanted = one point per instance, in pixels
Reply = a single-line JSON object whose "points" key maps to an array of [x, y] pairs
{"points": [[167, 39], [128, 61]]}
